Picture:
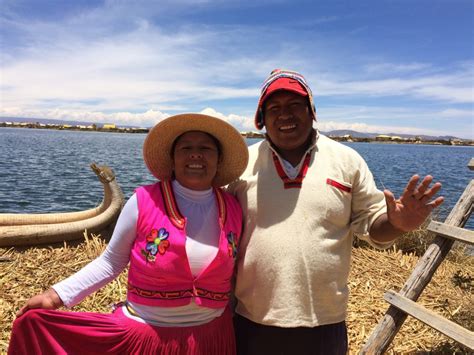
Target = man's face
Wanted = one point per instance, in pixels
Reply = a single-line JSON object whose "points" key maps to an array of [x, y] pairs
{"points": [[288, 120]]}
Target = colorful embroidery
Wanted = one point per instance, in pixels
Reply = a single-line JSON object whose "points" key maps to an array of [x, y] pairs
{"points": [[173, 295], [232, 246], [215, 296], [163, 295], [156, 243]]}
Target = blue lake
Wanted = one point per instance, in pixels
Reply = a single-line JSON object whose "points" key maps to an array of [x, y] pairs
{"points": [[48, 170]]}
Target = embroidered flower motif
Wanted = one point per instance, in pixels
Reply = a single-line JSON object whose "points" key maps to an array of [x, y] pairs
{"points": [[156, 243], [232, 246]]}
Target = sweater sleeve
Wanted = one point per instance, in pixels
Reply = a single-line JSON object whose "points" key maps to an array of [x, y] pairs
{"points": [[108, 265], [368, 204]]}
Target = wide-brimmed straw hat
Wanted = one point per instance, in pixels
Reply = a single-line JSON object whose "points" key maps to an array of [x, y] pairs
{"points": [[159, 141]]}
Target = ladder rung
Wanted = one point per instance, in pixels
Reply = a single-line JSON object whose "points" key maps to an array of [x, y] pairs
{"points": [[452, 232], [435, 321]]}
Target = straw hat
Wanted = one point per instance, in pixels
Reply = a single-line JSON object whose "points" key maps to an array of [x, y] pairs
{"points": [[157, 147]]}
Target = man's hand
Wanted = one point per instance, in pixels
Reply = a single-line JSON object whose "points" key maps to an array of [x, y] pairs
{"points": [[415, 205], [46, 300]]}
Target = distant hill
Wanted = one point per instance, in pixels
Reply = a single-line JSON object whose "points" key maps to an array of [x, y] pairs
{"points": [[53, 121], [343, 132], [338, 132]]}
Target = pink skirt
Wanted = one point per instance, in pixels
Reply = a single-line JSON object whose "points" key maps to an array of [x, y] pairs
{"points": [[41, 331]]}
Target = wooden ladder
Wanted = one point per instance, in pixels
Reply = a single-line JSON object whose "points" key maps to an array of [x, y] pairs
{"points": [[404, 303]]}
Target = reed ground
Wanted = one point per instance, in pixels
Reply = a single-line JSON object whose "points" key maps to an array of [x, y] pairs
{"points": [[24, 273]]}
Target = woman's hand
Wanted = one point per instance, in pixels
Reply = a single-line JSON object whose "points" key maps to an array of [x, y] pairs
{"points": [[46, 300]]}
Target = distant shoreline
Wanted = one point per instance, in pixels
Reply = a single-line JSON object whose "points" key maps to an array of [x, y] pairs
{"points": [[111, 128]]}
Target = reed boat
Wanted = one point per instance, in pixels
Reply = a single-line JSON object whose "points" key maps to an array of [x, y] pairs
{"points": [[17, 229]]}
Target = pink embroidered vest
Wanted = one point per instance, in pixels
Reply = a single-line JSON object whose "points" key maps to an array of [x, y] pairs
{"points": [[159, 273]]}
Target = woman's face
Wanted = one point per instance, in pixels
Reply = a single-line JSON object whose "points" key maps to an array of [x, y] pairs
{"points": [[195, 157]]}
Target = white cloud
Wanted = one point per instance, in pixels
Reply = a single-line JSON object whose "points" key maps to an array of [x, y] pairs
{"points": [[242, 123], [367, 128], [456, 113], [384, 68], [117, 63], [456, 87]]}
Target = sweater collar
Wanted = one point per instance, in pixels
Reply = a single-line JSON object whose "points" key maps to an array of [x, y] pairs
{"points": [[172, 209], [314, 140], [297, 182]]}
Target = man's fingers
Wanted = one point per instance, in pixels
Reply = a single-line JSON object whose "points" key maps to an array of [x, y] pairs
{"points": [[411, 186], [430, 193], [422, 187], [437, 202]]}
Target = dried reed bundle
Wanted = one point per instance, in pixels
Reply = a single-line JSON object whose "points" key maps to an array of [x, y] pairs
{"points": [[449, 294], [24, 273]]}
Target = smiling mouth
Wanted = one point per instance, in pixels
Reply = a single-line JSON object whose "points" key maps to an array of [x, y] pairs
{"points": [[195, 166], [287, 127]]}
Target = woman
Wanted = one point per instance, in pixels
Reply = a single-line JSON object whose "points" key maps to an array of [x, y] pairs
{"points": [[180, 237]]}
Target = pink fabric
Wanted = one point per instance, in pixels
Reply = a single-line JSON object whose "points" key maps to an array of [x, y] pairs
{"points": [[59, 332], [159, 272]]}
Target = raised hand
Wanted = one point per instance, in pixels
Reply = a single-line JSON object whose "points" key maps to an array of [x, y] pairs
{"points": [[415, 205], [46, 300]]}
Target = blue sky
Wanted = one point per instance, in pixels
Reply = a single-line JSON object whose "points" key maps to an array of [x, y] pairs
{"points": [[400, 66]]}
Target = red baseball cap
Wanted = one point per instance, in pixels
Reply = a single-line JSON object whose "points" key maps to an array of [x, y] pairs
{"points": [[283, 80], [288, 84]]}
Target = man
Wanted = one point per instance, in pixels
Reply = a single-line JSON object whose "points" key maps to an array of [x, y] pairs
{"points": [[303, 197]]}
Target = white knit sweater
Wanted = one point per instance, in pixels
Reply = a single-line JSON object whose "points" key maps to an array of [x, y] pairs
{"points": [[295, 251]]}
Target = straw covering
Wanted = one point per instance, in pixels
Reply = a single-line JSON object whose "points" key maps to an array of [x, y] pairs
{"points": [[24, 273]]}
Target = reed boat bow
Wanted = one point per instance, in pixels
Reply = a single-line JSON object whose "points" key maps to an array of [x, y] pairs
{"points": [[18, 229]]}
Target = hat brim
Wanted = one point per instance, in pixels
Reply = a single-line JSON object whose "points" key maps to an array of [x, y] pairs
{"points": [[284, 84], [157, 146]]}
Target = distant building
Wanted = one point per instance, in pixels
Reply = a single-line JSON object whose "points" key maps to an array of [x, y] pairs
{"points": [[348, 138], [396, 138], [109, 126], [456, 141], [383, 137]]}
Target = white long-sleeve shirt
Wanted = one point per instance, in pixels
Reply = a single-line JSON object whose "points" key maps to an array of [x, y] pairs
{"points": [[202, 241]]}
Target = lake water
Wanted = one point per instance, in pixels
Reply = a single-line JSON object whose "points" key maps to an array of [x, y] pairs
{"points": [[48, 170]]}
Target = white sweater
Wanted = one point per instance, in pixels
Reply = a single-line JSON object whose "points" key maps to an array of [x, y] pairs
{"points": [[295, 251]]}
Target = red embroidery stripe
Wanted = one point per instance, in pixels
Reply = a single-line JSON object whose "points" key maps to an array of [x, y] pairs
{"points": [[279, 168], [172, 295], [215, 296], [164, 295], [221, 206], [338, 185], [170, 204], [297, 182]]}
